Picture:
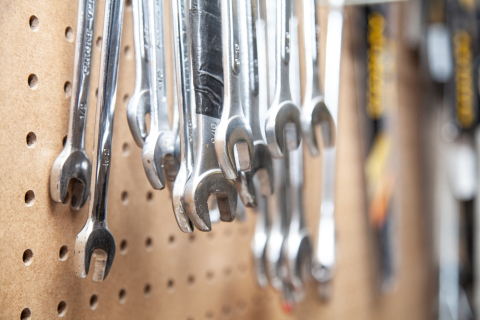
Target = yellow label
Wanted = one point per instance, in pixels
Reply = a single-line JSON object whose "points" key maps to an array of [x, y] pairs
{"points": [[376, 67]]}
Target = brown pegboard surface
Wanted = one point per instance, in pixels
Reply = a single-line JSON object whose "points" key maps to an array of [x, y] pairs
{"points": [[165, 274]]}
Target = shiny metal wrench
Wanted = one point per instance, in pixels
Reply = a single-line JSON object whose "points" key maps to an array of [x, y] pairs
{"points": [[72, 164], [324, 258], [233, 130], [158, 152], [207, 178], [139, 103], [314, 111], [185, 104], [282, 109], [95, 235]]}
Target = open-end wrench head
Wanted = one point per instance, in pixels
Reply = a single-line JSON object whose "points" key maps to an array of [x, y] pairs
{"points": [[277, 118], [94, 237], [183, 221], [299, 248], [71, 165], [200, 188], [315, 113], [263, 167], [233, 132], [246, 189], [137, 109], [158, 155]]}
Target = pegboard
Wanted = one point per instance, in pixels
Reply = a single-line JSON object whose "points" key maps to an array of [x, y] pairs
{"points": [[159, 272]]}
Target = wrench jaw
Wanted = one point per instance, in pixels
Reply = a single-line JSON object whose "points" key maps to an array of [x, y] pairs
{"points": [[233, 132], [94, 239], [183, 221], [315, 113], [71, 167], [299, 262], [263, 167], [278, 117], [246, 189], [137, 109]]}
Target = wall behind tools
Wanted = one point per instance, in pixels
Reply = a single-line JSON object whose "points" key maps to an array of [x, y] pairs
{"points": [[159, 272]]}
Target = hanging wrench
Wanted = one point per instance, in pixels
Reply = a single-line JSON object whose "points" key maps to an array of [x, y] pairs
{"points": [[158, 153], [233, 129], [282, 109], [139, 103], [95, 235], [182, 77], [323, 263], [207, 178], [260, 239], [314, 111], [72, 164]]}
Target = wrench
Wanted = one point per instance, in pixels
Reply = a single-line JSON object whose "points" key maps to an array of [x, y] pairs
{"points": [[139, 103], [260, 239], [282, 109], [207, 178], [72, 164], [233, 130], [323, 263], [158, 152], [182, 77], [95, 235], [314, 111]]}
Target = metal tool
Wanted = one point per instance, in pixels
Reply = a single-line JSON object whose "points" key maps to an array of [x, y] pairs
{"points": [[314, 111], [324, 257], [72, 164], [233, 130], [260, 239], [158, 152], [95, 236], [282, 109], [139, 103], [207, 178], [185, 105]]}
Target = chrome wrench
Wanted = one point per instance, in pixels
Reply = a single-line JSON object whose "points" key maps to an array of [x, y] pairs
{"points": [[95, 235], [185, 104], [72, 164], [314, 111], [139, 103], [233, 130], [158, 152], [207, 178]]}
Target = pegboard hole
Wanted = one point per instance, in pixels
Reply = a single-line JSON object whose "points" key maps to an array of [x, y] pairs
{"points": [[210, 235], [243, 232], [227, 233], [34, 23], [124, 197], [147, 290], [241, 307], [210, 276], [63, 253], [125, 98], [226, 311], [191, 280], [191, 238], [242, 267], [27, 257], [69, 34], [31, 139], [29, 198], [149, 196], [148, 243], [33, 81], [64, 141], [98, 43], [67, 199], [227, 272], [171, 240], [123, 247], [62, 308], [67, 88], [209, 315], [170, 285], [128, 52], [96, 93], [125, 150], [26, 314], [122, 296], [93, 302], [128, 4]]}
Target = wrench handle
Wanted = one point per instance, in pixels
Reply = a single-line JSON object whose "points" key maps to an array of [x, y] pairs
{"points": [[207, 68], [107, 89], [311, 33]]}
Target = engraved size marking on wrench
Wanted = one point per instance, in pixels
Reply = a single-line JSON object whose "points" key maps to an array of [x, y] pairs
{"points": [[213, 128], [87, 55], [81, 109], [106, 157]]}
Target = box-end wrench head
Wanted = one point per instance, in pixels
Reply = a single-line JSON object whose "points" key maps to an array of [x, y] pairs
{"points": [[72, 164], [233, 130], [139, 103], [95, 236], [316, 114]]}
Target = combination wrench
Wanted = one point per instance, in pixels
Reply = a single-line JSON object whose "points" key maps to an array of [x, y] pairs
{"points": [[314, 111], [72, 164], [207, 178], [233, 130], [158, 152], [282, 109], [95, 236], [324, 257], [139, 103], [185, 105]]}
